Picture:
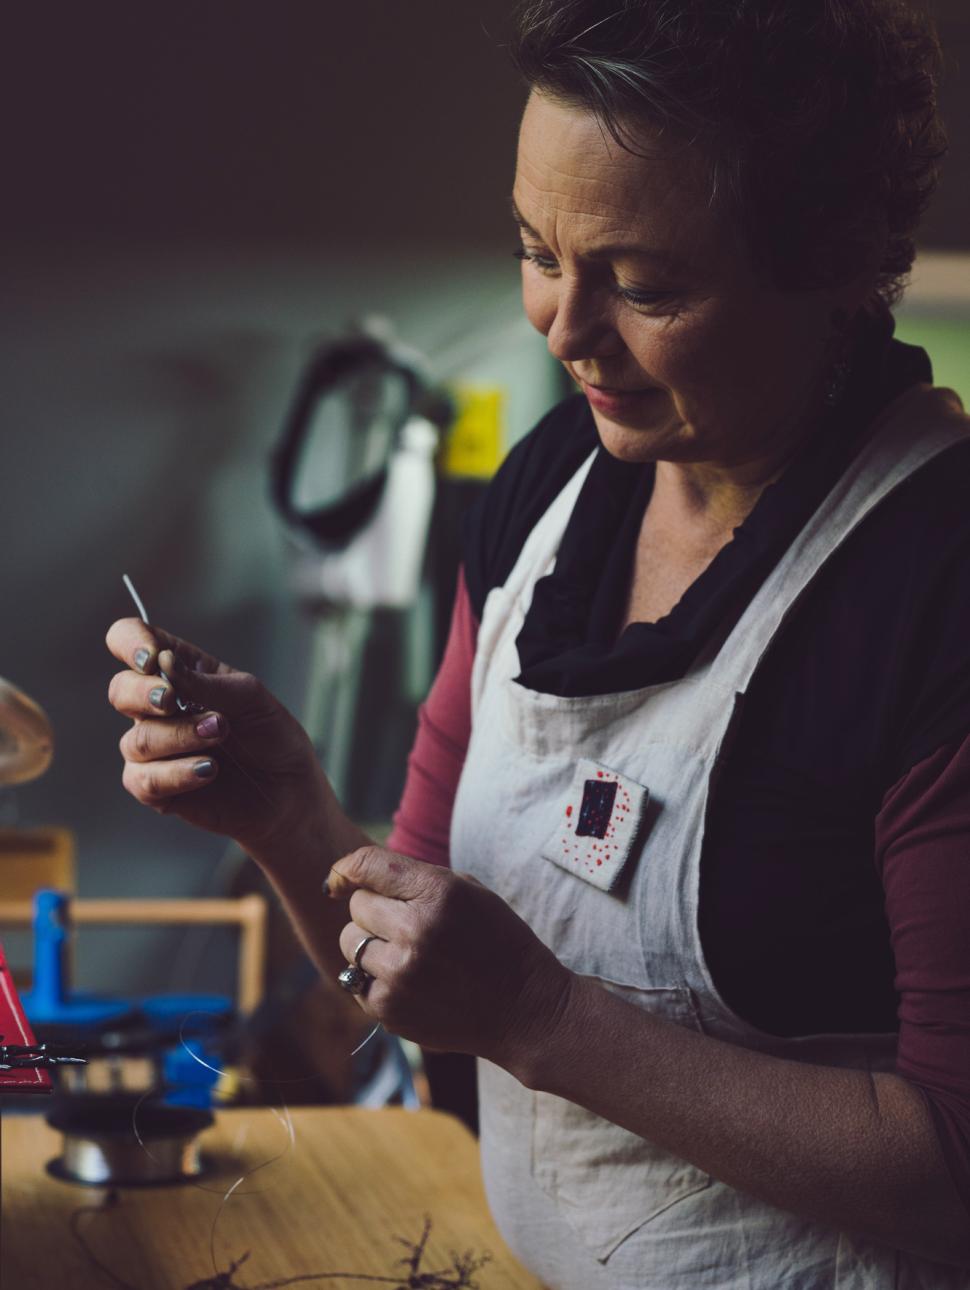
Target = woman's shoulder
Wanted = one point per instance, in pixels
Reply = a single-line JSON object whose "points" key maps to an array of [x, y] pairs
{"points": [[932, 506], [527, 482], [909, 567]]}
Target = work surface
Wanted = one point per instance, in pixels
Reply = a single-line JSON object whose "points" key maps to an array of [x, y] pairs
{"points": [[332, 1202]]}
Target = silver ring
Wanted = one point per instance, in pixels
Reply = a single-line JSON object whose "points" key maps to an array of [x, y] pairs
{"points": [[361, 946], [354, 979]]}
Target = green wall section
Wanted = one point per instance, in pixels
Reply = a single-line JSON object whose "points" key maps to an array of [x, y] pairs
{"points": [[947, 341]]}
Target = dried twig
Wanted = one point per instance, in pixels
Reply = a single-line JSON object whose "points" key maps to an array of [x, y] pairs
{"points": [[456, 1277]]}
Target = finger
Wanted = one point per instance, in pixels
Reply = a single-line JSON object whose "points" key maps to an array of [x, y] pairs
{"points": [[235, 694], [173, 737], [140, 696], [159, 783], [376, 957], [129, 637], [385, 872], [133, 642], [385, 916]]}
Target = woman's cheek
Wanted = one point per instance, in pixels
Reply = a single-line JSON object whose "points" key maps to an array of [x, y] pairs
{"points": [[665, 348]]}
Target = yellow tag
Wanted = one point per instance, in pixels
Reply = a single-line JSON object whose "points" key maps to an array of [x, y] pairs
{"points": [[229, 1085], [474, 446]]}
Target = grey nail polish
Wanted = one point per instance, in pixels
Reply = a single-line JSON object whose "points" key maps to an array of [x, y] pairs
{"points": [[204, 769], [157, 696], [141, 658], [325, 886]]}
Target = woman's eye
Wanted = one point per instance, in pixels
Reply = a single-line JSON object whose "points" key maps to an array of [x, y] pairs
{"points": [[645, 299], [637, 298], [544, 263]]}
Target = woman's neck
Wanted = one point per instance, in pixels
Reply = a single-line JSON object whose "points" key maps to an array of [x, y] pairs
{"points": [[704, 500]]}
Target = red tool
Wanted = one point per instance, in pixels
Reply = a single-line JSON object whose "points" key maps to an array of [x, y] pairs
{"points": [[16, 1034]]}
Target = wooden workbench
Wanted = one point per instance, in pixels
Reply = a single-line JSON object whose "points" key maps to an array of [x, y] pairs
{"points": [[332, 1202]]}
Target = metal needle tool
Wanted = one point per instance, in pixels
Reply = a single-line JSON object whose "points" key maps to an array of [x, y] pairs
{"points": [[182, 704], [27, 1056]]}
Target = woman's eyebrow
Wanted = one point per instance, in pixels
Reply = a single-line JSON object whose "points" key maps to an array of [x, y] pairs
{"points": [[662, 257], [522, 222]]}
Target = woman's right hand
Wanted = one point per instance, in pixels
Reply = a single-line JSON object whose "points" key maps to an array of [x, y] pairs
{"points": [[241, 766]]}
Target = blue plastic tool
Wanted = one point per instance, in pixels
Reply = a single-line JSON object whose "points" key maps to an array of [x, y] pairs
{"points": [[49, 1001]]}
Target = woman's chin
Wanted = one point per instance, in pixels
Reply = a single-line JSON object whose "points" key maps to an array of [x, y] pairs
{"points": [[637, 443]]}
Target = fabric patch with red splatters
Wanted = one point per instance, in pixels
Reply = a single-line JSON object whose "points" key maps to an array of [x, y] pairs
{"points": [[598, 824]]}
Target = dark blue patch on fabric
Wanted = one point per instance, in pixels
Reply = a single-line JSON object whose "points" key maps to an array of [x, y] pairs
{"points": [[594, 814]]}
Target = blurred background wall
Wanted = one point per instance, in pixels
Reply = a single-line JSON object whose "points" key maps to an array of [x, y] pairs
{"points": [[194, 195]]}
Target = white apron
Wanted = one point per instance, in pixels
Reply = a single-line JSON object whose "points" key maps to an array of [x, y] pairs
{"points": [[587, 816]]}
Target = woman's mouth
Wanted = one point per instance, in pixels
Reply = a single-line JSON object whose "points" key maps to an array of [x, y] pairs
{"points": [[615, 402]]}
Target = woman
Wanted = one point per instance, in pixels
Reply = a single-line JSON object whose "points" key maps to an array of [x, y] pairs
{"points": [[707, 689]]}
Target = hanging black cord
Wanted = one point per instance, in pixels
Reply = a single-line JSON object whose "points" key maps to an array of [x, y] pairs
{"points": [[334, 524]]}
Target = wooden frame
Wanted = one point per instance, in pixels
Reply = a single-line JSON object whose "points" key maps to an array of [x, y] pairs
{"points": [[248, 913]]}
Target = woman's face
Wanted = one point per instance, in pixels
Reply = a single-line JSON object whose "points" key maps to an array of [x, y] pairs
{"points": [[650, 300]]}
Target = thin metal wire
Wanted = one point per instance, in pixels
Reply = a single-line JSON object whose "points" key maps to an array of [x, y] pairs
{"points": [[139, 604], [256, 1079], [143, 613], [283, 1115]]}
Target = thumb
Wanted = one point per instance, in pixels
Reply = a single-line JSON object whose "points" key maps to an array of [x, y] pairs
{"points": [[469, 877], [236, 694], [385, 872]]}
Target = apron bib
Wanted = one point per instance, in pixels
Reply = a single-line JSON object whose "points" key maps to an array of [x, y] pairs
{"points": [[587, 816]]}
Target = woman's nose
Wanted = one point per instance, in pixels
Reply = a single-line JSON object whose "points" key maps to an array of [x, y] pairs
{"points": [[579, 329]]}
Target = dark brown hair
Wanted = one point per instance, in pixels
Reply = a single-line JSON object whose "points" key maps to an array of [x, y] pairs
{"points": [[818, 117]]}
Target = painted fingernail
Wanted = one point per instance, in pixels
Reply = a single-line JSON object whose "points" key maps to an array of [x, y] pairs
{"points": [[204, 769], [210, 726], [141, 658], [325, 886], [172, 661], [157, 696]]}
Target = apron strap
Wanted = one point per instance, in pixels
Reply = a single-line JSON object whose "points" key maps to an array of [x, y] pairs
{"points": [[913, 430]]}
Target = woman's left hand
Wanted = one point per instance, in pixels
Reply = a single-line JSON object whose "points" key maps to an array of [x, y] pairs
{"points": [[455, 967]]}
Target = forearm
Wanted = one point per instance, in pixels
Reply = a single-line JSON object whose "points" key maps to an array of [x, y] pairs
{"points": [[297, 859], [844, 1147]]}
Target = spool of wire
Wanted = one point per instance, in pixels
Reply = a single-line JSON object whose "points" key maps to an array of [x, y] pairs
{"points": [[99, 1149]]}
